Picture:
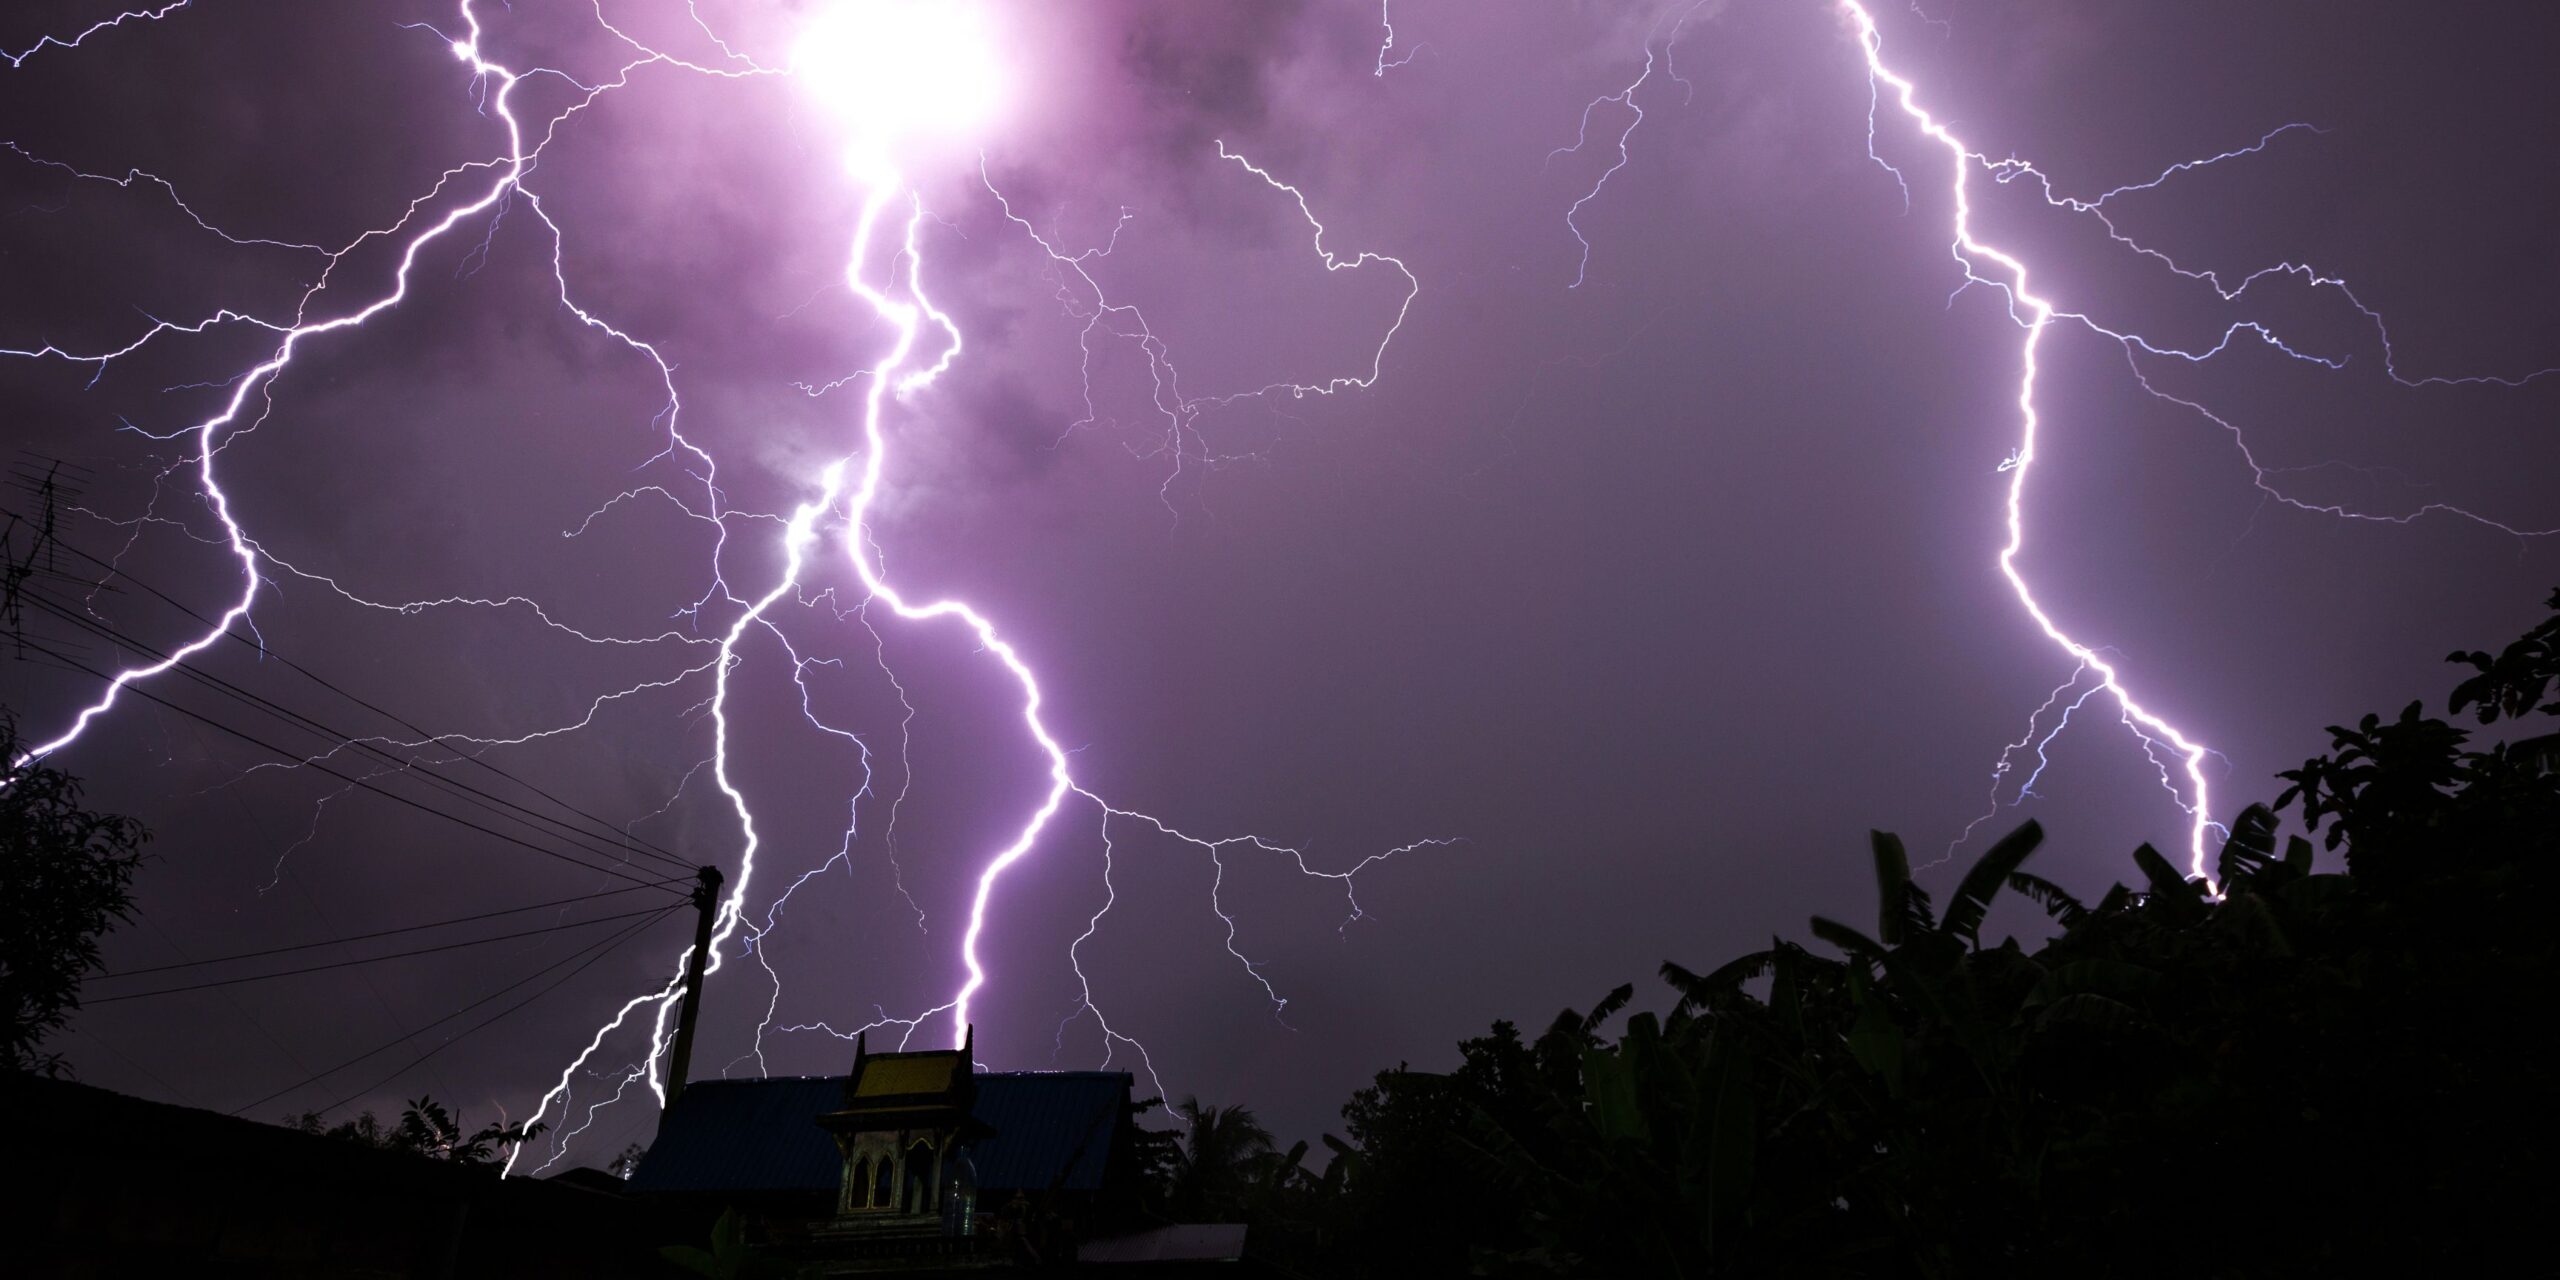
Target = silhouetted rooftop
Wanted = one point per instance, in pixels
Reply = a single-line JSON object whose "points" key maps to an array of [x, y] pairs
{"points": [[1051, 1128]]}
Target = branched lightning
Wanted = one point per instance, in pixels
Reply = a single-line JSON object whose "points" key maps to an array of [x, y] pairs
{"points": [[1106, 319], [1626, 99], [2035, 315], [831, 528], [1387, 42], [834, 518], [1969, 251], [847, 490]]}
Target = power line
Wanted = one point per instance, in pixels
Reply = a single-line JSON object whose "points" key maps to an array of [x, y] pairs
{"points": [[593, 954], [378, 933], [486, 801], [396, 955], [467, 1032], [140, 692], [259, 644]]}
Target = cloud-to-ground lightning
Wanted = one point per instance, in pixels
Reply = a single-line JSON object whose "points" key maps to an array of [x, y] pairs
{"points": [[2039, 315], [884, 87], [900, 300], [2036, 315], [818, 560]]}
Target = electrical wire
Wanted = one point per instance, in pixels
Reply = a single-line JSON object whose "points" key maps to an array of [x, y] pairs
{"points": [[347, 964], [264, 650], [140, 692], [378, 933], [459, 1036], [593, 952], [485, 801]]}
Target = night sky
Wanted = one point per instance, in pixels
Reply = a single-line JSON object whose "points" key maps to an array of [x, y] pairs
{"points": [[1652, 593]]}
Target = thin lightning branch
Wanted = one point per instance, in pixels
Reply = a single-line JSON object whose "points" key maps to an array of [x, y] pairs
{"points": [[2259, 473], [2012, 169], [19, 58], [1112, 1039], [1387, 43], [594, 708], [131, 177], [560, 1144], [2035, 741], [1108, 319], [1332, 263], [1626, 98]]}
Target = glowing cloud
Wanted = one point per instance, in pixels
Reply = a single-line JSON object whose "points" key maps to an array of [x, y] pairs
{"points": [[898, 72]]}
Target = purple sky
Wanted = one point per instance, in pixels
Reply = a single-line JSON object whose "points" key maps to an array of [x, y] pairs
{"points": [[1657, 592]]}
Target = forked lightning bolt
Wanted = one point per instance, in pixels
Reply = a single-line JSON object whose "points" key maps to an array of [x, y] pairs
{"points": [[2036, 315], [832, 525], [832, 520]]}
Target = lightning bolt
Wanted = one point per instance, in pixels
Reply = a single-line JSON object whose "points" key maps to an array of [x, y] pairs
{"points": [[1970, 250], [831, 525], [210, 433], [1988, 264]]}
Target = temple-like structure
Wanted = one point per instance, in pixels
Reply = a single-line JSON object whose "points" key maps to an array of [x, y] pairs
{"points": [[904, 1131], [916, 1163]]}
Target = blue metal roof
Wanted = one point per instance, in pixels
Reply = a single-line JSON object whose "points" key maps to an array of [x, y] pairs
{"points": [[746, 1135], [1052, 1128]]}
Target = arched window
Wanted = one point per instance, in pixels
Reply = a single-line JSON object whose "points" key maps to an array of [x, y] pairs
{"points": [[857, 1183], [880, 1185], [959, 1195], [919, 1188]]}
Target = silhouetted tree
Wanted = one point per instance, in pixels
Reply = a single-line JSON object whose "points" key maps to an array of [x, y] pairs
{"points": [[427, 1129], [1225, 1155], [2304, 1073], [66, 876], [364, 1130]]}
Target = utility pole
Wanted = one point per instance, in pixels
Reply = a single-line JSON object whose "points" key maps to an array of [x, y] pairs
{"points": [[40, 479], [706, 904]]}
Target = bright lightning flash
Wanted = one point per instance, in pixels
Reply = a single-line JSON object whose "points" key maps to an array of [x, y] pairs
{"points": [[898, 73], [903, 78], [2010, 273]]}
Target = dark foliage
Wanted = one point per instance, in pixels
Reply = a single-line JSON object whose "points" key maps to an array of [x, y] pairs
{"points": [[66, 876], [2290, 1073], [427, 1129]]}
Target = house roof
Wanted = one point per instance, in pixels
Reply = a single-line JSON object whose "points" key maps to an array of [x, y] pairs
{"points": [[1051, 1128], [745, 1135]]}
